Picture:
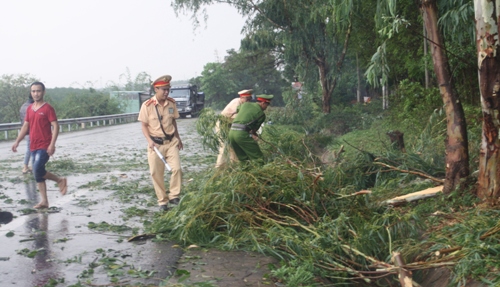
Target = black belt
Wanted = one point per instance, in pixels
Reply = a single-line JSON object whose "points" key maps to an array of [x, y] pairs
{"points": [[161, 140], [239, 127]]}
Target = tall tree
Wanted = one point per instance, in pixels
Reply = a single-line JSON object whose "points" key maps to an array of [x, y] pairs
{"points": [[256, 70], [457, 152], [487, 14], [217, 84], [456, 145], [316, 32]]}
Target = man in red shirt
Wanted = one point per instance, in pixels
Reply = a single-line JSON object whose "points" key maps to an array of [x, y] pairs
{"points": [[41, 121]]}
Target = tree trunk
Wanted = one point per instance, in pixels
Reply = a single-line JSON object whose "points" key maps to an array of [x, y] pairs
{"points": [[397, 140], [425, 56], [326, 87], [329, 83], [486, 16], [385, 97], [358, 73], [457, 154]]}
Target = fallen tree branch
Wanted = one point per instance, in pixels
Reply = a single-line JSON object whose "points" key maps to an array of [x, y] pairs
{"points": [[490, 232], [404, 275], [141, 237], [421, 174], [426, 193]]}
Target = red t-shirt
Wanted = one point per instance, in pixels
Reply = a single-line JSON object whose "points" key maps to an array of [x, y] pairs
{"points": [[40, 128]]}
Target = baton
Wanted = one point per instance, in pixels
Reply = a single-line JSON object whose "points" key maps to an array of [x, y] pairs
{"points": [[162, 159]]}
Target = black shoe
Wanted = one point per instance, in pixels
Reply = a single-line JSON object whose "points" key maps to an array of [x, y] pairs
{"points": [[174, 201], [164, 207]]}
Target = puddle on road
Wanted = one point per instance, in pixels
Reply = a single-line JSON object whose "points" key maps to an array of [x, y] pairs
{"points": [[83, 237]]}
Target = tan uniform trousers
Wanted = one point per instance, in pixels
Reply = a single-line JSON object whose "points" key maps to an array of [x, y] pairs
{"points": [[170, 151], [224, 150]]}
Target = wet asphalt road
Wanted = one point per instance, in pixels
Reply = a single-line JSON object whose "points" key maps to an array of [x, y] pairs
{"points": [[62, 245]]}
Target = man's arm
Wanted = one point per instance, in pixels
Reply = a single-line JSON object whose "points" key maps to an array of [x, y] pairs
{"points": [[145, 132], [176, 134], [55, 133], [22, 134]]}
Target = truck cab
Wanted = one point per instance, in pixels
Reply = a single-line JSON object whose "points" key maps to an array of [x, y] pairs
{"points": [[189, 101], [187, 98]]}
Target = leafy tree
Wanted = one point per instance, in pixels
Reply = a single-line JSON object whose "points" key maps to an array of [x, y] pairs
{"points": [[257, 70], [457, 151], [315, 33], [14, 91], [242, 70], [141, 82], [217, 84], [457, 154], [87, 104]]}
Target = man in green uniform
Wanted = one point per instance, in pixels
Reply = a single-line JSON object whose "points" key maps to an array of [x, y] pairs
{"points": [[243, 136]]}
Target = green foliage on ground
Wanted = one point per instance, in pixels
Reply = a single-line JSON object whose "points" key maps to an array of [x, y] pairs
{"points": [[323, 213]]}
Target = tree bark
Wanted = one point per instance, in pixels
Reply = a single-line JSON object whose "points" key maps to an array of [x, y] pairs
{"points": [[457, 153], [326, 87], [486, 17], [425, 55], [358, 74], [397, 140]]}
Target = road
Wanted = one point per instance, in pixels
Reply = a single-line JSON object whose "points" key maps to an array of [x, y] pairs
{"points": [[82, 238]]}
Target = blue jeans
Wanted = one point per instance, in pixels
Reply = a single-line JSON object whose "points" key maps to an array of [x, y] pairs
{"points": [[40, 158]]}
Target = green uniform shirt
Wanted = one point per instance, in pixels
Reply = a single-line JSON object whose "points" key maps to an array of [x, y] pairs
{"points": [[250, 114]]}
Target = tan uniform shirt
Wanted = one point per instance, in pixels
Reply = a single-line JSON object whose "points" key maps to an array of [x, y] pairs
{"points": [[230, 110], [168, 112]]}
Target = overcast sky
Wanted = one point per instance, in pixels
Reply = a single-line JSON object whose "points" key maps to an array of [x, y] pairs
{"points": [[68, 43]]}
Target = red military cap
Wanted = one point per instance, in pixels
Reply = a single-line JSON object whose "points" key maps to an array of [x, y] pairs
{"points": [[162, 81]]}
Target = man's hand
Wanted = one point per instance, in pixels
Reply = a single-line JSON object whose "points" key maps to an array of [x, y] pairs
{"points": [[151, 144], [180, 145], [14, 146], [51, 150]]}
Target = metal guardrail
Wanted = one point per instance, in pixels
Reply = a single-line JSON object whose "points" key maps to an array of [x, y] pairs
{"points": [[67, 125]]}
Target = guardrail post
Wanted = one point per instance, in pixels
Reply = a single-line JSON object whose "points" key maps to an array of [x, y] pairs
{"points": [[82, 125]]}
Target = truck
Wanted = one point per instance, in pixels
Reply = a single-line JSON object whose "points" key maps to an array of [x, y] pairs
{"points": [[187, 98], [189, 101]]}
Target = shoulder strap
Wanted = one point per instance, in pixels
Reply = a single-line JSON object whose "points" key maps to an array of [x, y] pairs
{"points": [[261, 116], [159, 119]]}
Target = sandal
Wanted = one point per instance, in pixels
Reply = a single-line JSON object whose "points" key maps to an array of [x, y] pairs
{"points": [[63, 185]]}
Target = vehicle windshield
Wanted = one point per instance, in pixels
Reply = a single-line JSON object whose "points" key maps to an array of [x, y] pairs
{"points": [[179, 93]]}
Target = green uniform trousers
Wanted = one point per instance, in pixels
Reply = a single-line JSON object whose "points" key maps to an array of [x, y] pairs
{"points": [[245, 147]]}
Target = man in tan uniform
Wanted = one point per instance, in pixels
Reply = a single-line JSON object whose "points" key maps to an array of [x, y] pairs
{"points": [[159, 127], [229, 112]]}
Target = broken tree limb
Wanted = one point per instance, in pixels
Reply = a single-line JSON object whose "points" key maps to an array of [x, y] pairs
{"points": [[397, 140], [141, 237], [426, 193], [404, 275], [438, 180]]}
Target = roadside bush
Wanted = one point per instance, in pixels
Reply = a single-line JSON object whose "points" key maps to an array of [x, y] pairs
{"points": [[296, 111], [411, 103]]}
